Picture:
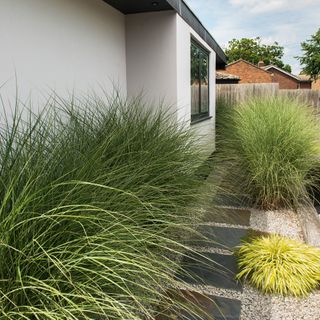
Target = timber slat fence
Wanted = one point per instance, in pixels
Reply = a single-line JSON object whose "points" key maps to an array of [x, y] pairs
{"points": [[236, 93]]}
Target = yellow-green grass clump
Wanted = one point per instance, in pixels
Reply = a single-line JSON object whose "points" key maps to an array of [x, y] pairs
{"points": [[279, 265]]}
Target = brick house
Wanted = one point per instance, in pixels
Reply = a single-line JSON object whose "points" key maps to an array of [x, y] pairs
{"points": [[288, 80], [250, 73], [316, 85]]}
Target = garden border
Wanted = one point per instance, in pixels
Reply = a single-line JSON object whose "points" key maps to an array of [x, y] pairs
{"points": [[310, 224]]}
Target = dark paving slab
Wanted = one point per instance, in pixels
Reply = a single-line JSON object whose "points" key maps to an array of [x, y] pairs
{"points": [[210, 307], [219, 237], [210, 269], [230, 216], [199, 306]]}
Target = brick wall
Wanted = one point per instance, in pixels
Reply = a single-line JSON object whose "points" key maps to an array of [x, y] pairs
{"points": [[285, 81], [305, 85], [316, 85], [249, 73]]}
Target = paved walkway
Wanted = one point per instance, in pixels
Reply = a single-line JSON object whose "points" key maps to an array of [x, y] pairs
{"points": [[223, 228]]}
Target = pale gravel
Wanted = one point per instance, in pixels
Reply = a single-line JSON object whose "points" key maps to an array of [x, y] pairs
{"points": [[284, 222], [213, 250], [259, 306], [218, 292], [220, 224], [296, 309], [255, 305]]}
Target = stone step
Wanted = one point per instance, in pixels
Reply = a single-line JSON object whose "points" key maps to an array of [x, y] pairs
{"points": [[219, 237], [213, 307], [229, 216], [199, 306], [210, 269]]}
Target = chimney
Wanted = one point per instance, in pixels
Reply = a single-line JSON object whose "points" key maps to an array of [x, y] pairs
{"points": [[261, 64]]}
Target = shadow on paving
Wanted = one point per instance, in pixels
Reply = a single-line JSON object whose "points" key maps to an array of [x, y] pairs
{"points": [[218, 237], [210, 269]]}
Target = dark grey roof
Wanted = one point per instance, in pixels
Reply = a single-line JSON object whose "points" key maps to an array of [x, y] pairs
{"points": [[138, 6]]}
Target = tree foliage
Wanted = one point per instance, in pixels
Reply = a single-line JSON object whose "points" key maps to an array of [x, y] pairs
{"points": [[310, 60], [253, 50]]}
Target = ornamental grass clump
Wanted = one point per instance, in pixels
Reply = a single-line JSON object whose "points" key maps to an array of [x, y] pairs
{"points": [[93, 202], [270, 146], [278, 265]]}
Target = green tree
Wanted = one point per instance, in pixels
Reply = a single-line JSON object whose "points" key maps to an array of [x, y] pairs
{"points": [[253, 50], [310, 60]]}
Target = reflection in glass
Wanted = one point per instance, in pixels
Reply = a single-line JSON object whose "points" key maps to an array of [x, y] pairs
{"points": [[199, 82], [204, 82], [195, 83]]}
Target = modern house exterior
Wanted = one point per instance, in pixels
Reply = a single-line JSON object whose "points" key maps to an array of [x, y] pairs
{"points": [[157, 48]]}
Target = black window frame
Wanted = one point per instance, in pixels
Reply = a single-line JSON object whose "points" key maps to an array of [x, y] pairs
{"points": [[200, 115]]}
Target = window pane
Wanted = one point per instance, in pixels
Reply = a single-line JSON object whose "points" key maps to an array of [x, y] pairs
{"points": [[204, 67], [199, 82], [195, 80]]}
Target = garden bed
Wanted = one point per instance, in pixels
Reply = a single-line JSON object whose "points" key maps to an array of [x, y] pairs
{"points": [[286, 223]]}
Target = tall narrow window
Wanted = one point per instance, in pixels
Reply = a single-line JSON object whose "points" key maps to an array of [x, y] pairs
{"points": [[199, 82]]}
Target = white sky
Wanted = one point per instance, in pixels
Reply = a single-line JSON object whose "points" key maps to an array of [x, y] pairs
{"points": [[288, 22]]}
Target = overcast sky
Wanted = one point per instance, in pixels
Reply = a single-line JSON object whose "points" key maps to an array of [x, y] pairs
{"points": [[288, 22]]}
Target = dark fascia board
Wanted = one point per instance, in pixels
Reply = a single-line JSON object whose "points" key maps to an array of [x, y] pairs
{"points": [[187, 15], [139, 6]]}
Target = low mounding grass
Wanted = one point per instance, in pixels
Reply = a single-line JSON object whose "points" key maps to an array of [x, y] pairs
{"points": [[279, 265], [93, 202], [269, 145]]}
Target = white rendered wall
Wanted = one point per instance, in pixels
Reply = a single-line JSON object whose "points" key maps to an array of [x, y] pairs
{"points": [[151, 56], [61, 45], [204, 130], [159, 67]]}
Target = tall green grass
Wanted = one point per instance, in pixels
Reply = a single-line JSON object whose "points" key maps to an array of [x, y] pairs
{"points": [[270, 146], [94, 197]]}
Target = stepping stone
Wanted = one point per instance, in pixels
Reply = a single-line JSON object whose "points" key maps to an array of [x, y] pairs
{"points": [[205, 307], [230, 216], [219, 237], [210, 269], [213, 307]]}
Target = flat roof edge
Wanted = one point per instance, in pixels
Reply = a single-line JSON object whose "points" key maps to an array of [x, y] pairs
{"points": [[187, 15]]}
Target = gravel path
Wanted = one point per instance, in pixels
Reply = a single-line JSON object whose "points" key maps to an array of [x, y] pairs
{"points": [[255, 305], [286, 223], [296, 309]]}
